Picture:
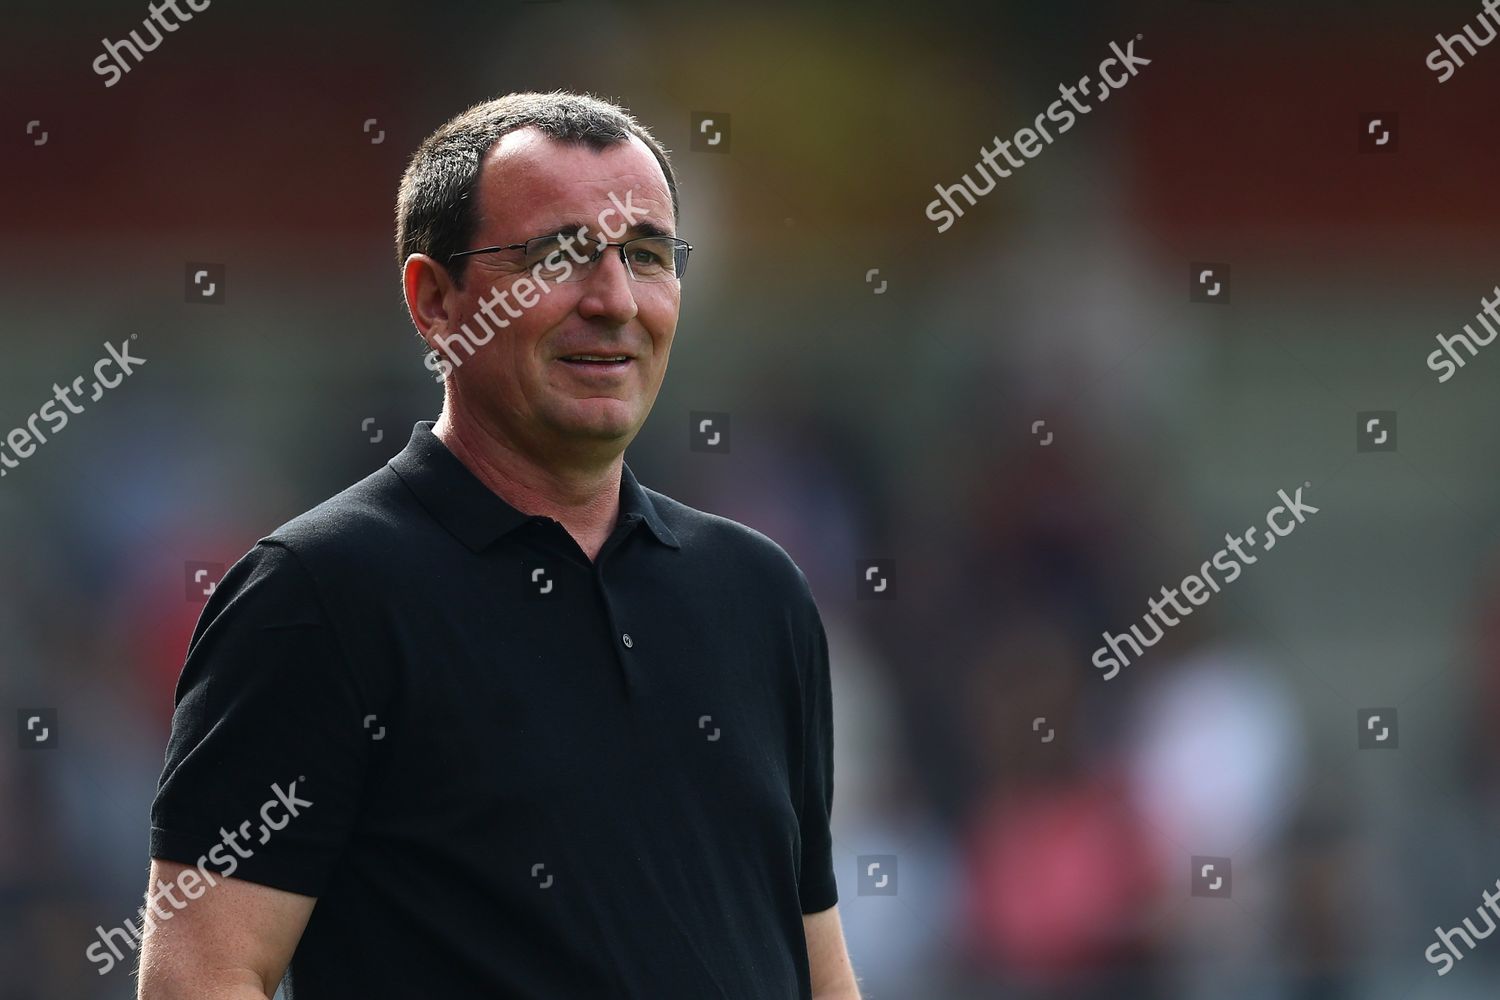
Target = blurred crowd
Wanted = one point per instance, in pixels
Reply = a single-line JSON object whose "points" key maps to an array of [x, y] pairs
{"points": [[1044, 821]]}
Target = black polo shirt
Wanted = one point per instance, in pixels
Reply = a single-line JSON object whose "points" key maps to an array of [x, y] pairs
{"points": [[529, 775]]}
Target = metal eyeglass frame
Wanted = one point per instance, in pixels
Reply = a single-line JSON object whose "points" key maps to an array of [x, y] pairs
{"points": [[680, 247]]}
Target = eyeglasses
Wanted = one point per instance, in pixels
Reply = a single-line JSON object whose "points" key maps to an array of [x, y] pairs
{"points": [[646, 258]]}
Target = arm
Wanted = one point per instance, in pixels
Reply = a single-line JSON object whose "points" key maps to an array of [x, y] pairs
{"points": [[268, 718], [828, 957], [231, 943]]}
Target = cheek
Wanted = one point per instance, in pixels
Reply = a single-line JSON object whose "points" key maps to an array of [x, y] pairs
{"points": [[533, 331], [660, 320]]}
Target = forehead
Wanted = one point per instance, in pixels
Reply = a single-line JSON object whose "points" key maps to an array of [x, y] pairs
{"points": [[530, 182]]}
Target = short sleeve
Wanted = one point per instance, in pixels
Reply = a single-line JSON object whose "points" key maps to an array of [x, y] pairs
{"points": [[268, 751], [817, 889]]}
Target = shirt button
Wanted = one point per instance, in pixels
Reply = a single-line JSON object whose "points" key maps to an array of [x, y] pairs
{"points": [[625, 638]]}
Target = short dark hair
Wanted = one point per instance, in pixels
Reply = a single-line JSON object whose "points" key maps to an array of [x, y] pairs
{"points": [[436, 207]]}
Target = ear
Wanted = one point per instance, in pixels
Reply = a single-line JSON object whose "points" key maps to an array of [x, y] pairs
{"points": [[430, 298]]}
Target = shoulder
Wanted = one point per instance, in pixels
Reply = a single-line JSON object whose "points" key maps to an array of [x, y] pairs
{"points": [[355, 533], [726, 545], [371, 507], [282, 576]]}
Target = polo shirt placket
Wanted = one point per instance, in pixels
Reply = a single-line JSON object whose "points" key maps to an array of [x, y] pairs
{"points": [[618, 635], [622, 642]]}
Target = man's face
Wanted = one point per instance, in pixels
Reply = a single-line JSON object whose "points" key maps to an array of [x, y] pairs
{"points": [[518, 385]]}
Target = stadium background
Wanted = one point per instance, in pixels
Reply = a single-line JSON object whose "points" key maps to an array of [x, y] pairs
{"points": [[890, 426]]}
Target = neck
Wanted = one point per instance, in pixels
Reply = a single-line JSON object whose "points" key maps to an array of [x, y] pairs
{"points": [[584, 498]]}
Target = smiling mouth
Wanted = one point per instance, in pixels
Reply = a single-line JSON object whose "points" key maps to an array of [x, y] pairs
{"points": [[595, 359]]}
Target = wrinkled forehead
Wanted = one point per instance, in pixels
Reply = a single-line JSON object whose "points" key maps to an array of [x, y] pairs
{"points": [[531, 184]]}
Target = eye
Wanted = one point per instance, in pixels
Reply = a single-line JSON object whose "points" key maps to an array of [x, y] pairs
{"points": [[538, 251], [651, 256]]}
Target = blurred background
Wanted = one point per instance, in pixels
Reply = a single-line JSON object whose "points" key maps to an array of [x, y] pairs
{"points": [[874, 417]]}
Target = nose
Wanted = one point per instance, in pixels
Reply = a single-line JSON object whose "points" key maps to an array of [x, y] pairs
{"points": [[609, 292]]}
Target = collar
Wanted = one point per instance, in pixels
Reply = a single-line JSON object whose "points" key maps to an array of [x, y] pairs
{"points": [[475, 514]]}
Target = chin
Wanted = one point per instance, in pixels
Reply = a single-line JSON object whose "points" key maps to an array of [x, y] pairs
{"points": [[600, 423]]}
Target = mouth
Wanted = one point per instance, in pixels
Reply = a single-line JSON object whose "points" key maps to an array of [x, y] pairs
{"points": [[595, 359], [602, 365]]}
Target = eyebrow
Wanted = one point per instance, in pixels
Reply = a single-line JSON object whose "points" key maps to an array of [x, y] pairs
{"points": [[643, 228], [648, 228]]}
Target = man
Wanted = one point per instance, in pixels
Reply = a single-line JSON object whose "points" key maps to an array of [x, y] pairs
{"points": [[498, 721]]}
